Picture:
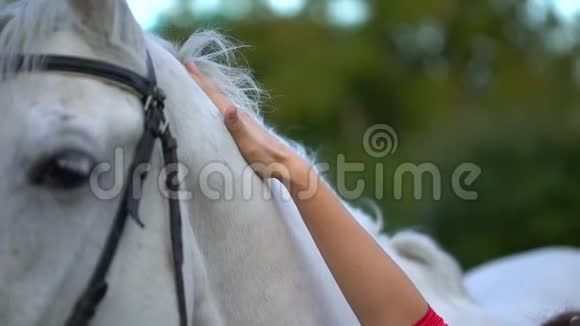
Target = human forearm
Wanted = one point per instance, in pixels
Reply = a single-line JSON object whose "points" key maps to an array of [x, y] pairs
{"points": [[377, 290], [375, 287]]}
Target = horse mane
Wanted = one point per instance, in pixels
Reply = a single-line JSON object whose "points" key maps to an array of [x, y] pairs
{"points": [[216, 56]]}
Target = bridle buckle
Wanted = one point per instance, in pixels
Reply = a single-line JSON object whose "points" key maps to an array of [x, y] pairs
{"points": [[155, 100], [164, 125]]}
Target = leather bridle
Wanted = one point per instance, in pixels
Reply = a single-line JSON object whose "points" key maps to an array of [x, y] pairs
{"points": [[156, 127]]}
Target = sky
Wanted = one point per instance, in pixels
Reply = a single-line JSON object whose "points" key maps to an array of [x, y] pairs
{"points": [[566, 9], [341, 12]]}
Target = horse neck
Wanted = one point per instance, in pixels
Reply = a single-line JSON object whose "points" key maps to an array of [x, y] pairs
{"points": [[257, 269]]}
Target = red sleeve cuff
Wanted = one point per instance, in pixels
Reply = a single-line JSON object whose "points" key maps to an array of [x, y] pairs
{"points": [[431, 319]]}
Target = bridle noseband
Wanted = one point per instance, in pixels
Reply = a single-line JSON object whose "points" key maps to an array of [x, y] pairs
{"points": [[156, 127]]}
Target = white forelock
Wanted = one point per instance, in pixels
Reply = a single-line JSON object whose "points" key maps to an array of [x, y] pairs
{"points": [[24, 23], [28, 21]]}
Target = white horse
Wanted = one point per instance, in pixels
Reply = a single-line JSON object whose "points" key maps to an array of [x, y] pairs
{"points": [[249, 260], [532, 286]]}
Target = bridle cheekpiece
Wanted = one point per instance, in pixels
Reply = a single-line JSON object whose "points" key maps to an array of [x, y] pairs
{"points": [[156, 127]]}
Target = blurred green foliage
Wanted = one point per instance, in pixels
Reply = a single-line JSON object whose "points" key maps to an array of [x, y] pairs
{"points": [[460, 81]]}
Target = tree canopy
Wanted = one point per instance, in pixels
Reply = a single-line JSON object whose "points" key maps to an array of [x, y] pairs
{"points": [[488, 82]]}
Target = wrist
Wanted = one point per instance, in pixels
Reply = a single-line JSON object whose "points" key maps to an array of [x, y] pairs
{"points": [[301, 177]]}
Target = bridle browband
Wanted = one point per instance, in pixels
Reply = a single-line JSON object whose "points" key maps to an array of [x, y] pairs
{"points": [[156, 127]]}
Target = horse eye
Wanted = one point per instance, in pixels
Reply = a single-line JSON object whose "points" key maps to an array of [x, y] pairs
{"points": [[66, 171]]}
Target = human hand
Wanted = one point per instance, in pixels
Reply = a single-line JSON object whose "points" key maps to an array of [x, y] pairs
{"points": [[266, 154]]}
